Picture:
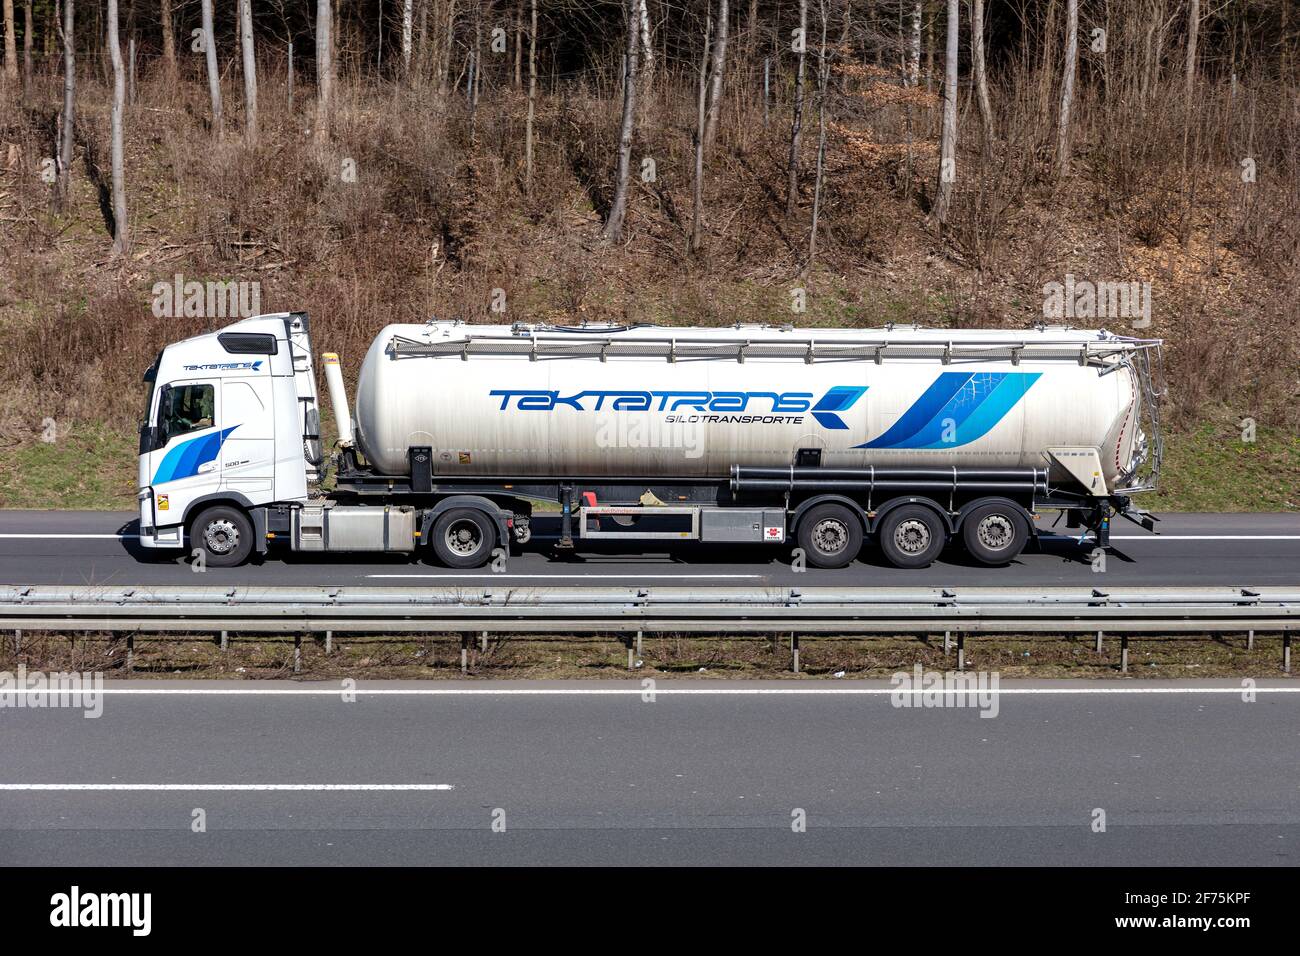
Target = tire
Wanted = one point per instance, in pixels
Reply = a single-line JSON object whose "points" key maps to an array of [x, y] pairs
{"points": [[225, 536], [995, 533], [464, 538], [912, 536], [830, 535]]}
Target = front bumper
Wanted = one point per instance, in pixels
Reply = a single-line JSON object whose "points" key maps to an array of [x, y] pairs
{"points": [[154, 537]]}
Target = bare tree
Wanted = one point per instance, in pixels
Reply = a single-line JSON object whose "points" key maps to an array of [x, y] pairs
{"points": [[1193, 28], [519, 44], [250, 70], [532, 98], [408, 35], [444, 60], [28, 39], [214, 75], [719, 67], [168, 36], [948, 133], [618, 211], [823, 81], [977, 67], [1067, 87], [697, 212], [121, 241], [11, 44], [796, 123], [647, 46], [68, 30], [324, 68], [913, 77]]}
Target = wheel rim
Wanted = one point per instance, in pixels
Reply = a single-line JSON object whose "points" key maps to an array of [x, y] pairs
{"points": [[221, 536], [912, 536], [830, 536], [995, 532], [463, 537]]}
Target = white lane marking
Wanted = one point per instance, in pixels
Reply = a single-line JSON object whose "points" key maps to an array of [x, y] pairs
{"points": [[1205, 537], [636, 690], [225, 786], [115, 537], [516, 577]]}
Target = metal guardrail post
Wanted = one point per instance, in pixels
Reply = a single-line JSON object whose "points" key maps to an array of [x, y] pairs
{"points": [[1099, 642], [18, 641], [947, 643], [1286, 652], [464, 653], [1123, 654], [130, 652], [1250, 640], [329, 642], [794, 652], [961, 650], [630, 663], [483, 642], [639, 652], [297, 653], [225, 640]]}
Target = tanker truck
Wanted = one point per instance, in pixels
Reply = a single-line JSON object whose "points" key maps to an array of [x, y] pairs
{"points": [[805, 439]]}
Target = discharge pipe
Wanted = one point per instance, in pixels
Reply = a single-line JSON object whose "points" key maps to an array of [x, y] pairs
{"points": [[338, 398]]}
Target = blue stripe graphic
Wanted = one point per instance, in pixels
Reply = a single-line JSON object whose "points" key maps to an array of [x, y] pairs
{"points": [[184, 460], [958, 408]]}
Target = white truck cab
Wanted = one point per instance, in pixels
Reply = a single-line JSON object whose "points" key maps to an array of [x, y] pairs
{"points": [[231, 419]]}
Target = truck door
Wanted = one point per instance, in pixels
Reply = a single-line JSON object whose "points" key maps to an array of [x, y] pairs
{"points": [[184, 462], [248, 454]]}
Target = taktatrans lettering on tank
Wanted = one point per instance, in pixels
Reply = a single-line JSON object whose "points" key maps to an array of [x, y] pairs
{"points": [[545, 400]]}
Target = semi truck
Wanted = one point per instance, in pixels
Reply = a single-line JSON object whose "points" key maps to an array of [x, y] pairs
{"points": [[772, 436]]}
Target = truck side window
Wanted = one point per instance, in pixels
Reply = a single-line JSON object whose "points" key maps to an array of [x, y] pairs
{"points": [[187, 408]]}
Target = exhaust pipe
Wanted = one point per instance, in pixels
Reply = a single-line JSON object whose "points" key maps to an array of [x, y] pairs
{"points": [[338, 398]]}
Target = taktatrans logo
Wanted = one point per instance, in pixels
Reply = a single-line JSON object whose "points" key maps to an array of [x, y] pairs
{"points": [[226, 367], [688, 407], [75, 909]]}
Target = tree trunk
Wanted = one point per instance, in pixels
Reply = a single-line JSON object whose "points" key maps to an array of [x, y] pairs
{"points": [[250, 70], [69, 100], [444, 61], [11, 44], [1067, 88], [796, 124], [28, 39], [929, 54], [948, 134], [977, 66], [719, 67], [697, 212], [519, 44], [532, 98], [168, 37], [823, 80], [408, 36], [618, 211], [214, 76], [324, 68], [121, 242], [647, 46], [914, 48], [1193, 28]]}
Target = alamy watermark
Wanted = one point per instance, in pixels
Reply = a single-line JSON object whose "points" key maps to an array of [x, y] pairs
{"points": [[1103, 299], [60, 689], [922, 688], [181, 299]]}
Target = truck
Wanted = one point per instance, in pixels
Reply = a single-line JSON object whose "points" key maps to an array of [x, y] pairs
{"points": [[812, 439]]}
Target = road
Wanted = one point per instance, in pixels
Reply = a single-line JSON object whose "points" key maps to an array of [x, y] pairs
{"points": [[68, 547], [589, 772]]}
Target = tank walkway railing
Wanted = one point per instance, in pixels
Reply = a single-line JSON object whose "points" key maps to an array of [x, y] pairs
{"points": [[810, 349], [630, 613]]}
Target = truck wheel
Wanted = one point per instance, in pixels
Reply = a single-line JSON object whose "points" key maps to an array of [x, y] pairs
{"points": [[224, 535], [995, 533], [911, 536], [830, 535], [463, 538]]}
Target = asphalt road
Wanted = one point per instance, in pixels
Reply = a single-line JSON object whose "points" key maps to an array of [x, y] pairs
{"points": [[69, 547], [591, 773]]}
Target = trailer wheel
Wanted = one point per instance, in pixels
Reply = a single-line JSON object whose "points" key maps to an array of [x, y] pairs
{"points": [[224, 535], [911, 536], [463, 538], [830, 535], [995, 533]]}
